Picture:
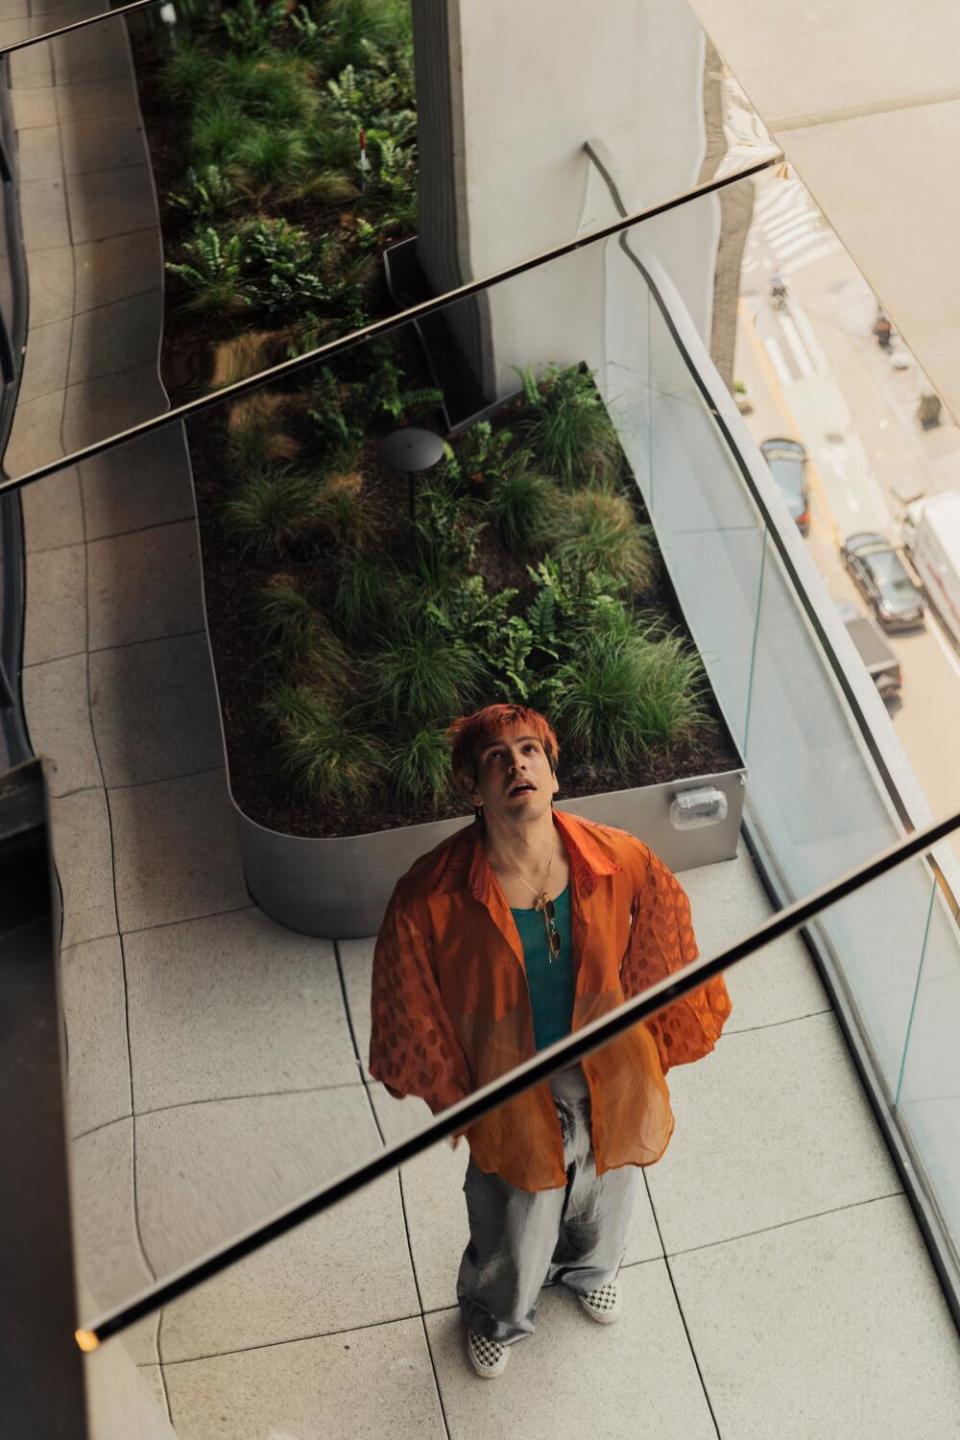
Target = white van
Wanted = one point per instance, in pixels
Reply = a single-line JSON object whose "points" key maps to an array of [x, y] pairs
{"points": [[934, 549]]}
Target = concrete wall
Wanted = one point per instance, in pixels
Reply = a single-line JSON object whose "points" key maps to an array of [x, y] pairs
{"points": [[525, 86]]}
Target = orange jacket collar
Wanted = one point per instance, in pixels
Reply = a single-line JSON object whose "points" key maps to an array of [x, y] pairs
{"points": [[587, 861]]}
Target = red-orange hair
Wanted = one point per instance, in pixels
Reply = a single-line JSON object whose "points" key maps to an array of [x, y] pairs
{"points": [[469, 734]]}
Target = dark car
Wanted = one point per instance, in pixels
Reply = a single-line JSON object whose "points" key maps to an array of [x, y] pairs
{"points": [[788, 466], [880, 576]]}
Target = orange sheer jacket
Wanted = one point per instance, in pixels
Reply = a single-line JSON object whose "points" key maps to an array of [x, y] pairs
{"points": [[451, 1010]]}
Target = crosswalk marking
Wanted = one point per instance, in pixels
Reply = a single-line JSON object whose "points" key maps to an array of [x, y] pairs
{"points": [[792, 227]]}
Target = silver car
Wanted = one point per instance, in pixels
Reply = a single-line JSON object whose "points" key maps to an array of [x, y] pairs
{"points": [[881, 577]]}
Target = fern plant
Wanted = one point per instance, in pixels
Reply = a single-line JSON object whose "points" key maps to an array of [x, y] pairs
{"points": [[212, 272]]}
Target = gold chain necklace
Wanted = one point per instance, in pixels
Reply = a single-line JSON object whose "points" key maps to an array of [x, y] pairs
{"points": [[545, 905]]}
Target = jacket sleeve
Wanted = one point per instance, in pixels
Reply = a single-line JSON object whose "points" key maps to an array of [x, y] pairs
{"points": [[662, 942], [413, 1048]]}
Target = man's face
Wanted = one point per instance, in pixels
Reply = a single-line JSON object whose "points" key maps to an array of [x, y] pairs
{"points": [[514, 776]]}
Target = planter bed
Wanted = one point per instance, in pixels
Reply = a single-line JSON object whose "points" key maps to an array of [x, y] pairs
{"points": [[333, 710]]}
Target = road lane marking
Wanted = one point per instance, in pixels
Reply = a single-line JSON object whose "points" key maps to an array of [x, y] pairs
{"points": [[792, 337], [776, 359]]}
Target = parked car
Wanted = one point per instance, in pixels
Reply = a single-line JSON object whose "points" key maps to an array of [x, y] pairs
{"points": [[881, 664], [881, 577], [788, 466]]}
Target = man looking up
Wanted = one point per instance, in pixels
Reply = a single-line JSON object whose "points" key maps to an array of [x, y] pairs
{"points": [[519, 929]]}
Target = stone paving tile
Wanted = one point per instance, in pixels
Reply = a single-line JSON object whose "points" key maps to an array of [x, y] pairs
{"points": [[108, 1254], [208, 1171], [35, 438], [143, 482], [144, 585], [55, 621], [360, 1385], [98, 53], [234, 1005], [52, 511], [43, 211], [107, 270], [94, 99], [802, 1139], [294, 1288], [31, 69], [176, 851], [14, 29], [82, 853], [51, 284], [56, 703], [99, 408], [573, 1377], [101, 144], [94, 1004], [39, 150], [110, 202], [34, 105], [46, 359], [781, 982], [155, 710], [835, 1326], [13, 9], [116, 338]]}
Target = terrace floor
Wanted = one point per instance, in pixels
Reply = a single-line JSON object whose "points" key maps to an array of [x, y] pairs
{"points": [[775, 1281]]}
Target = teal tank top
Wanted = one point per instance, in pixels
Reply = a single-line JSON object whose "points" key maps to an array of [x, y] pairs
{"points": [[551, 982]]}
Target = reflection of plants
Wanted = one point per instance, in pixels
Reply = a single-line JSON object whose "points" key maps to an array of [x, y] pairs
{"points": [[596, 530], [387, 393], [218, 125], [568, 426], [251, 26], [275, 89], [326, 756], [267, 158], [341, 509], [186, 73], [419, 767], [207, 191], [446, 535], [212, 272], [271, 509], [254, 436]]}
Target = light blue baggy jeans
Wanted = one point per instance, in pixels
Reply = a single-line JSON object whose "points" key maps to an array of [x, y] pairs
{"points": [[520, 1239]]}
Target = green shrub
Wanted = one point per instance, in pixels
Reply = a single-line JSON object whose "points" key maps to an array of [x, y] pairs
{"points": [[273, 88], [187, 73], [269, 159], [341, 507], [568, 428], [373, 598], [617, 699], [212, 273], [597, 530], [321, 749], [423, 675], [207, 192], [446, 535], [252, 26], [295, 635], [354, 28], [218, 126], [271, 509], [670, 697], [521, 505], [419, 768]]}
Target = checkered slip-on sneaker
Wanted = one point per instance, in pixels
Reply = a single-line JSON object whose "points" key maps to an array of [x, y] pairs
{"points": [[603, 1304], [488, 1357]]}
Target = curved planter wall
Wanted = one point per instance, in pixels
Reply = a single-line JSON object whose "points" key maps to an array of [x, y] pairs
{"points": [[340, 887]]}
